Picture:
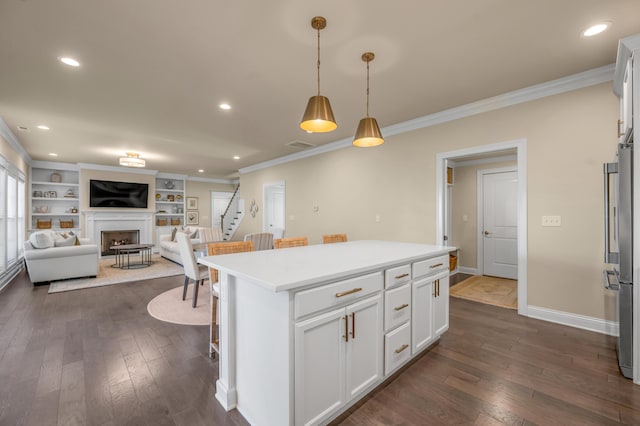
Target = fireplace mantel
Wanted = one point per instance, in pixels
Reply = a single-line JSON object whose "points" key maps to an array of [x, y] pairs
{"points": [[98, 221]]}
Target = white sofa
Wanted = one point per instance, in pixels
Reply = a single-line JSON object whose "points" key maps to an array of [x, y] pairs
{"points": [[59, 263], [169, 249]]}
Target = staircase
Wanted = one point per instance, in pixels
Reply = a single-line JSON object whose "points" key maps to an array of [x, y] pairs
{"points": [[232, 216]]}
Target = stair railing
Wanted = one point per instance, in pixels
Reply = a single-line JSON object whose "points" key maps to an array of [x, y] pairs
{"points": [[230, 211]]}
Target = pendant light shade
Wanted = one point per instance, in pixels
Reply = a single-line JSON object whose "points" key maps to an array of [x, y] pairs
{"points": [[368, 133], [318, 117]]}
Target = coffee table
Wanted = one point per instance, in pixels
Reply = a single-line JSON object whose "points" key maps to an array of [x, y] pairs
{"points": [[124, 252]]}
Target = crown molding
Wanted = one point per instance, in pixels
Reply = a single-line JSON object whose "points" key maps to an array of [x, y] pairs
{"points": [[213, 180], [531, 93], [8, 135], [117, 169]]}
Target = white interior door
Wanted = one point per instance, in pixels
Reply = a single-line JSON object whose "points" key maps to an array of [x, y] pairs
{"points": [[219, 203], [500, 224], [274, 208]]}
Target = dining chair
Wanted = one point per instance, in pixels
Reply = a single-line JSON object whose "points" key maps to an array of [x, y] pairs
{"points": [[334, 238], [214, 249], [261, 240], [192, 271], [290, 242]]}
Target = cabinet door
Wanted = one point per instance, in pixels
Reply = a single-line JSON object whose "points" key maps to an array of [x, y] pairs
{"points": [[320, 366], [441, 305], [364, 349], [422, 296]]}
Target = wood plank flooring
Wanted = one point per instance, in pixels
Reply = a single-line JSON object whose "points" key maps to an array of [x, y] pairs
{"points": [[95, 357]]}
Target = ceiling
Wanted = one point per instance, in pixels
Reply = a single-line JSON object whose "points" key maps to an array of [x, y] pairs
{"points": [[154, 71]]}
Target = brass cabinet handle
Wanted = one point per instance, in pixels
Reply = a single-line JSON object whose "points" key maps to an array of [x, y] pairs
{"points": [[436, 265], [345, 293], [402, 348], [401, 307], [401, 276], [437, 288], [346, 328], [353, 325]]}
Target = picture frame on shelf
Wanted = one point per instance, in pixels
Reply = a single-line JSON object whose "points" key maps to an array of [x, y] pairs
{"points": [[192, 218], [192, 203]]}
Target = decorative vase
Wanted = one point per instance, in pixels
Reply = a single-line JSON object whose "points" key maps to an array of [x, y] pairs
{"points": [[169, 184]]}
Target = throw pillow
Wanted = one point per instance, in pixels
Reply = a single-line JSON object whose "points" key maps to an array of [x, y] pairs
{"points": [[42, 239], [61, 241], [77, 240], [173, 234]]}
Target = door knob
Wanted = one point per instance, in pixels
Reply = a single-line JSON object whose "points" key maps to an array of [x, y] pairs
{"points": [[487, 233]]}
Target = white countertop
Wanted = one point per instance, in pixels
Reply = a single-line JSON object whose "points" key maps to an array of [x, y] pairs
{"points": [[296, 267]]}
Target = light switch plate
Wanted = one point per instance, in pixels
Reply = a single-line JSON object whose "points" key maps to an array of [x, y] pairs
{"points": [[551, 220]]}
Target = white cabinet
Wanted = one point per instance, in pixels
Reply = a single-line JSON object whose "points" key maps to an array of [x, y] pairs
{"points": [[441, 304], [421, 314], [55, 197], [170, 198], [338, 356]]}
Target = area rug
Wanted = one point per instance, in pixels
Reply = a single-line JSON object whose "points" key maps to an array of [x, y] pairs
{"points": [[107, 275], [170, 307], [490, 290]]}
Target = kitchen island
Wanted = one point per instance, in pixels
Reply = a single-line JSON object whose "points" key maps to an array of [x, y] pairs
{"points": [[307, 331]]}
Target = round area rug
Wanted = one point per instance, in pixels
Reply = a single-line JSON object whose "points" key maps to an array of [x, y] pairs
{"points": [[170, 307]]}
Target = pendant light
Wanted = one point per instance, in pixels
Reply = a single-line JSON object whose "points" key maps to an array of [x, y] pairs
{"points": [[318, 117], [368, 133], [132, 160]]}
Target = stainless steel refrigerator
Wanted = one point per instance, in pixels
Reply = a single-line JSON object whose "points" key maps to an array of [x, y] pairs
{"points": [[618, 194]]}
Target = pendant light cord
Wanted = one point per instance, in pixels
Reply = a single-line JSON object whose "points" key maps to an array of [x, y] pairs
{"points": [[367, 89], [318, 61]]}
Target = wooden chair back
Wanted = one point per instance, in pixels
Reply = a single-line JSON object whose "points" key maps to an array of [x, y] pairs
{"points": [[214, 249], [334, 238], [290, 242]]}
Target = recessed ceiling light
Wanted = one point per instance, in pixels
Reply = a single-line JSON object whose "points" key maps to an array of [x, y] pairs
{"points": [[224, 106], [200, 171], [43, 127], [236, 157], [69, 61], [596, 29], [53, 154]]}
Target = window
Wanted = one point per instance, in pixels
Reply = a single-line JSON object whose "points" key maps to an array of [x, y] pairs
{"points": [[12, 217]]}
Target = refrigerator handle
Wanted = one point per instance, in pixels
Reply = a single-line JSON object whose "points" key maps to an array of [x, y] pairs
{"points": [[611, 281], [609, 257]]}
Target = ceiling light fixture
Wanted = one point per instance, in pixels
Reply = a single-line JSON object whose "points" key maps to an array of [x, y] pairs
{"points": [[132, 160], [596, 29], [236, 157], [200, 170], [318, 117], [43, 127], [225, 106], [368, 133], [69, 61], [53, 154]]}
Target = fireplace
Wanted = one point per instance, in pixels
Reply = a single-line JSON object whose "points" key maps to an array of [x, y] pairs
{"points": [[117, 238]]}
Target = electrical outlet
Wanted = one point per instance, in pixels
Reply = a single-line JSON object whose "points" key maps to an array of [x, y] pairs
{"points": [[315, 208], [551, 220]]}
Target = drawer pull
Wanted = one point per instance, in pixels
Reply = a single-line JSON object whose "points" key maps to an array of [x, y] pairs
{"points": [[401, 307], [436, 265], [346, 293], [401, 276], [402, 348]]}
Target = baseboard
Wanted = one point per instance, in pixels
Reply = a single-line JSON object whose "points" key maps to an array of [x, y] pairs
{"points": [[465, 270], [11, 273], [574, 320]]}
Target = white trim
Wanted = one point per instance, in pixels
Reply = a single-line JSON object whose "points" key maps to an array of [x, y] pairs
{"points": [[480, 211], [8, 135], [574, 320], [117, 169], [626, 47], [470, 271], [499, 159], [213, 180], [538, 91], [37, 164], [521, 153]]}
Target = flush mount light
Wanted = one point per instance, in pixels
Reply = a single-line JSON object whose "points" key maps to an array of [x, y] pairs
{"points": [[132, 160], [318, 117], [224, 106], [368, 133], [69, 61], [43, 127], [53, 154], [596, 29]]}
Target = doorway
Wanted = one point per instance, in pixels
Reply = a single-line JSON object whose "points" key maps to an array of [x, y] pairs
{"points": [[219, 203], [489, 153], [274, 209]]}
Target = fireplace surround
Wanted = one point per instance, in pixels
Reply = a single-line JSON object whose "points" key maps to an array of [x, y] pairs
{"points": [[98, 221]]}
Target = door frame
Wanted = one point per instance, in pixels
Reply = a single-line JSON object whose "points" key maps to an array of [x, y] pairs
{"points": [[441, 206], [480, 212], [265, 218], [213, 196]]}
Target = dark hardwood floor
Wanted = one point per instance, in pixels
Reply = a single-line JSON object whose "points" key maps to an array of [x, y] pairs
{"points": [[96, 357]]}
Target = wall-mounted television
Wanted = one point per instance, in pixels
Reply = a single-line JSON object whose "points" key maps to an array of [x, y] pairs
{"points": [[105, 193]]}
